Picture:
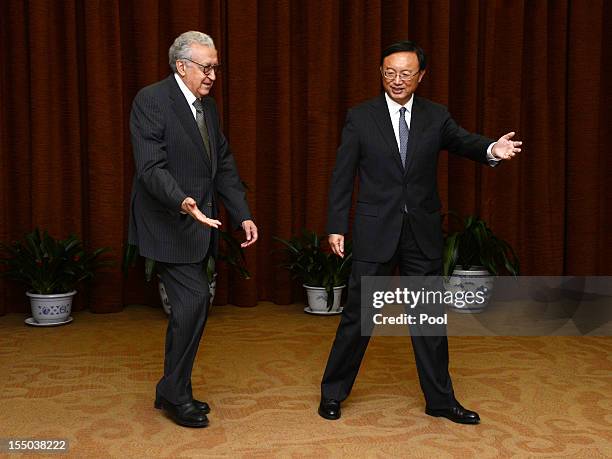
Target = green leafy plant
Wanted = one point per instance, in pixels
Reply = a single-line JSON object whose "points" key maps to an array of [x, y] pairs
{"points": [[47, 265], [476, 245], [230, 252], [306, 260]]}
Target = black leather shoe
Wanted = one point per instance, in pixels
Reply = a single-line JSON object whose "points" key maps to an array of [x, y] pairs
{"points": [[202, 406], [456, 414], [329, 409], [186, 414]]}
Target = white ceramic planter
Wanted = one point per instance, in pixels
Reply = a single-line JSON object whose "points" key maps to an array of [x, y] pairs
{"points": [[50, 309], [476, 280], [317, 298]]}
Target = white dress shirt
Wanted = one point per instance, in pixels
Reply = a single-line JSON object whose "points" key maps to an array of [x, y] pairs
{"points": [[394, 113], [187, 93]]}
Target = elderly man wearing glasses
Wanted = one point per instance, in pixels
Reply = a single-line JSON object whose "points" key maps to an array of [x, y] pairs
{"points": [[183, 165]]}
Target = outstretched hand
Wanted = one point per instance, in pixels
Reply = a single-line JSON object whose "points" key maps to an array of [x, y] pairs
{"points": [[505, 148], [190, 207]]}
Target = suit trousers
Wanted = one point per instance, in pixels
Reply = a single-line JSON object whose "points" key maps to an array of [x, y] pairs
{"points": [[189, 295], [348, 349]]}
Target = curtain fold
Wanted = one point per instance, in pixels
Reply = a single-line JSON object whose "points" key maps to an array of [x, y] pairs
{"points": [[291, 69]]}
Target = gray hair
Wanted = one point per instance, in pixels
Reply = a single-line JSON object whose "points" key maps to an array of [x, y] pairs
{"points": [[181, 48]]}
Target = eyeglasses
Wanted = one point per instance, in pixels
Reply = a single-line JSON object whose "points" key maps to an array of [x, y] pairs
{"points": [[391, 75], [205, 69]]}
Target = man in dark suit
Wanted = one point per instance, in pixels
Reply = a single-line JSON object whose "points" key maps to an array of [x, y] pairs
{"points": [[392, 143], [182, 164]]}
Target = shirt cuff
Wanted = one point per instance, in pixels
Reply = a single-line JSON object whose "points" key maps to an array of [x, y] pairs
{"points": [[492, 160]]}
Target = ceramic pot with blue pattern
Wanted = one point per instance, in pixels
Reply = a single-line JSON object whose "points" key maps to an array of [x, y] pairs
{"points": [[50, 309]]}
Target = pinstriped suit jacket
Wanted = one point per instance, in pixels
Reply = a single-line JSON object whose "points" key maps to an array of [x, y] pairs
{"points": [[171, 164]]}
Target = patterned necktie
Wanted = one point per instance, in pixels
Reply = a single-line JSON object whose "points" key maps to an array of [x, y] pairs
{"points": [[403, 135], [202, 124]]}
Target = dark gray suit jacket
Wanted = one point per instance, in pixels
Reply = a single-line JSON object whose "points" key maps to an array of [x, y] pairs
{"points": [[369, 149], [171, 164]]}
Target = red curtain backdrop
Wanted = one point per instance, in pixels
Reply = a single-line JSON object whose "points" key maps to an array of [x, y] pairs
{"points": [[70, 70]]}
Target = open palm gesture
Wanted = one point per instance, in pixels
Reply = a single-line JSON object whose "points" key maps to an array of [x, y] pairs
{"points": [[505, 148]]}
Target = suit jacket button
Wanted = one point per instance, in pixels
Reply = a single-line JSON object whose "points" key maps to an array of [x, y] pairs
{"points": [[209, 204]]}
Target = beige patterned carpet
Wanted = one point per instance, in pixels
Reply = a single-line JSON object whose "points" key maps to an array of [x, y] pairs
{"points": [[92, 383]]}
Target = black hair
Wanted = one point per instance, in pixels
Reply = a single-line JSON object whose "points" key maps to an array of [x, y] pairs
{"points": [[406, 46]]}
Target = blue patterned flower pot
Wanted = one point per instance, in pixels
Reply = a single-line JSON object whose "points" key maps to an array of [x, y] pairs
{"points": [[49, 309], [476, 280], [317, 298]]}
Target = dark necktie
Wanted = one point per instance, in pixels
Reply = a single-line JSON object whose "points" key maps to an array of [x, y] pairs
{"points": [[403, 135], [201, 122]]}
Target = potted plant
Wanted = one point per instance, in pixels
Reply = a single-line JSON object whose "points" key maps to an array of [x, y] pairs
{"points": [[230, 252], [51, 269], [323, 274], [472, 257]]}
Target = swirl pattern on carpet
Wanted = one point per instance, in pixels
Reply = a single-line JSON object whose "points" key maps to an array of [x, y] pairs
{"points": [[93, 383]]}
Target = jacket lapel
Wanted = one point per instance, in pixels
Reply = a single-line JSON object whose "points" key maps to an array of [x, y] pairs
{"points": [[185, 116], [211, 135], [383, 121], [417, 126]]}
